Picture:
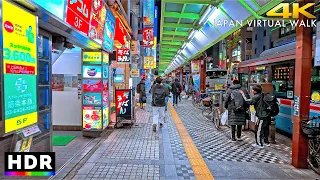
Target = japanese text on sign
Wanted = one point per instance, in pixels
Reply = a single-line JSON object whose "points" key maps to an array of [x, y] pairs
{"points": [[123, 55], [123, 102]]}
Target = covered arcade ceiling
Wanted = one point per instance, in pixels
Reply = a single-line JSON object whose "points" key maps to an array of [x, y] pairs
{"points": [[187, 26]]}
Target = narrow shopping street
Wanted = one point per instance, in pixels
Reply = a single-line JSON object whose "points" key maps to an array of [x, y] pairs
{"points": [[138, 153]]}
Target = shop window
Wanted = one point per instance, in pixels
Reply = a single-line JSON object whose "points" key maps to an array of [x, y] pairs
{"points": [[282, 80], [259, 77]]}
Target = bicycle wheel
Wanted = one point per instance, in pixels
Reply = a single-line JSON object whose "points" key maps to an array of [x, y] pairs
{"points": [[216, 118], [314, 154], [207, 112]]}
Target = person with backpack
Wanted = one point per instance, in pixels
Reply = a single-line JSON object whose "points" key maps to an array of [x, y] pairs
{"points": [[266, 106], [159, 93], [167, 85], [141, 90], [237, 107], [176, 90]]}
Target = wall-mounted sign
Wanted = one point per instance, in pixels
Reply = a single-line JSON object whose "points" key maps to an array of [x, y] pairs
{"points": [[20, 67], [105, 58], [97, 21], [123, 55], [260, 68], [92, 98], [91, 71], [120, 37], [123, 102], [90, 85], [118, 78], [91, 57], [148, 12], [57, 82], [148, 62], [92, 117], [109, 30], [195, 66], [148, 37], [135, 73], [105, 73], [56, 7], [78, 14], [134, 47]]}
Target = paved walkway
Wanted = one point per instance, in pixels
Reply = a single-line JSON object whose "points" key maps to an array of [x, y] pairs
{"points": [[187, 147]]}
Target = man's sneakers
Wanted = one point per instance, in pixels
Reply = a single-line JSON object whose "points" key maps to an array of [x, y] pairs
{"points": [[239, 139], [267, 144], [154, 128], [232, 140], [257, 146]]}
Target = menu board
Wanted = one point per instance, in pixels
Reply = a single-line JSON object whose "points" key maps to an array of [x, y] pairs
{"points": [[92, 117], [97, 21], [78, 14], [91, 71]]}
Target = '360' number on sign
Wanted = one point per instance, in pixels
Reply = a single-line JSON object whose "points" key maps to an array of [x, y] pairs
{"points": [[17, 56]]}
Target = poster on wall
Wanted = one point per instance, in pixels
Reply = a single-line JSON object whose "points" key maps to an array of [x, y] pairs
{"points": [[196, 82], [108, 35], [91, 57], [148, 12], [68, 81], [92, 98], [92, 118], [90, 85], [91, 71], [97, 21], [78, 15], [20, 101], [57, 82], [123, 55], [123, 103], [195, 66], [148, 37], [74, 81]]}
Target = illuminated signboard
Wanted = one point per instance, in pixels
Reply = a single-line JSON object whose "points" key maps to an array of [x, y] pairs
{"points": [[108, 35], [135, 73], [92, 98], [123, 55], [56, 7], [97, 21], [148, 12], [148, 37], [90, 85], [105, 59], [91, 57], [91, 71], [20, 67], [78, 14], [120, 37], [92, 117], [148, 62], [123, 102]]}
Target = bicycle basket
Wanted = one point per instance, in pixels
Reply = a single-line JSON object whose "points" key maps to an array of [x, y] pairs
{"points": [[206, 102], [309, 128]]}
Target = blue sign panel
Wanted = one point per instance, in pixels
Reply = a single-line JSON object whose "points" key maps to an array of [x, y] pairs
{"points": [[56, 7], [108, 36], [148, 12]]}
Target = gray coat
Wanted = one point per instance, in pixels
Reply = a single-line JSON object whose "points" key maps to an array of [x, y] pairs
{"points": [[235, 118]]}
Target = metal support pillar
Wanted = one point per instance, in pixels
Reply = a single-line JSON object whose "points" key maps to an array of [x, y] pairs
{"points": [[302, 86], [203, 70]]}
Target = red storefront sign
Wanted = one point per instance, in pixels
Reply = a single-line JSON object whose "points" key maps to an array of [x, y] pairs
{"points": [[148, 37], [78, 14], [123, 102], [97, 21], [123, 55], [19, 69], [120, 35]]}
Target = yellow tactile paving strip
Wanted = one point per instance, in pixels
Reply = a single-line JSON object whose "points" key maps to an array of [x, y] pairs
{"points": [[199, 167]]}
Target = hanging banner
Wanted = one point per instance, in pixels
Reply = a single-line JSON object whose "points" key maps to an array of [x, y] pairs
{"points": [[148, 12], [97, 21], [135, 73], [155, 36], [196, 82], [91, 57], [195, 66], [123, 55], [20, 67], [78, 15], [120, 37], [148, 37], [148, 62], [134, 47], [108, 35], [123, 103]]}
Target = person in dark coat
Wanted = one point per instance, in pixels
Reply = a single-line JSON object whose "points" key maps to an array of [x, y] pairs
{"points": [[236, 119], [141, 88]]}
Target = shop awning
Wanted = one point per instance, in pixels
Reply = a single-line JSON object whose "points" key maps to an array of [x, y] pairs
{"points": [[187, 26]]}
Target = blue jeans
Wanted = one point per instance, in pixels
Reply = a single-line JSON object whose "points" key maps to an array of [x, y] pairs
{"points": [[167, 100]]}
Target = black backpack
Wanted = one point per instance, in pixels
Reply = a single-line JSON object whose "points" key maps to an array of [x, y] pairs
{"points": [[237, 99], [159, 95], [272, 104]]}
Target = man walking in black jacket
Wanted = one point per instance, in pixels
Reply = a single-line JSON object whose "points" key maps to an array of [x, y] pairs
{"points": [[176, 90]]}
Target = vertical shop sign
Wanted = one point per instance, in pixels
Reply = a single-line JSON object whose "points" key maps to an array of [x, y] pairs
{"points": [[135, 73], [123, 102], [123, 55], [148, 37], [20, 67], [120, 36], [155, 36], [105, 59], [148, 62], [97, 21], [91, 57], [108, 35], [134, 47], [148, 12], [78, 14]]}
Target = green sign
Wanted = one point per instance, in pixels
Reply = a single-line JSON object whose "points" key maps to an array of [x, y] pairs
{"points": [[20, 94]]}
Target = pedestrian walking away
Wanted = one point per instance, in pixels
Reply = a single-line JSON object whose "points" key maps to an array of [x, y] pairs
{"points": [[176, 90], [236, 106], [167, 85], [141, 90], [159, 93]]}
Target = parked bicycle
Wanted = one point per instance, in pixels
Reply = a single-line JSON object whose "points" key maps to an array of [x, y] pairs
{"points": [[311, 128], [197, 98], [212, 108]]}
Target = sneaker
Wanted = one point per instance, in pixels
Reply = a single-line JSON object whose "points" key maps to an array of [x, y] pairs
{"points": [[232, 140], [257, 146], [239, 139], [267, 144], [154, 128], [161, 125]]}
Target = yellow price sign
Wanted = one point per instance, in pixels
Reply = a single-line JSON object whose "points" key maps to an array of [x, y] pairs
{"points": [[19, 40], [20, 121]]}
